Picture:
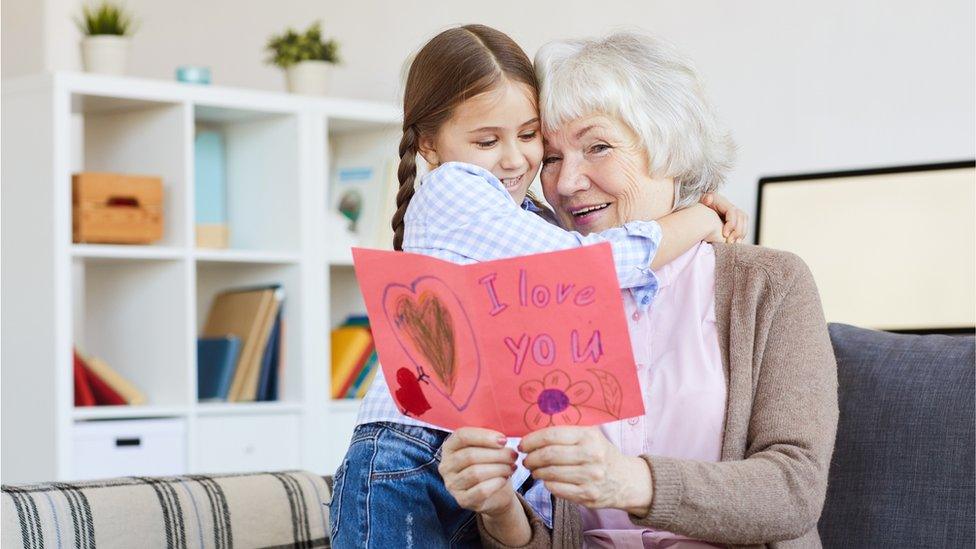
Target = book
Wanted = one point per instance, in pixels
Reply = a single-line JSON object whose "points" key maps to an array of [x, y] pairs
{"points": [[119, 384], [243, 313], [83, 392], [210, 190], [249, 392], [105, 395], [269, 365], [216, 360], [349, 343], [354, 374], [362, 374], [364, 386]]}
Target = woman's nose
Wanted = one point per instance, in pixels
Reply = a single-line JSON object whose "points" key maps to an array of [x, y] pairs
{"points": [[572, 179]]}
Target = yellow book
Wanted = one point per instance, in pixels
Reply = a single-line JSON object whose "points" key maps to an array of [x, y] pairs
{"points": [[113, 379], [348, 345]]}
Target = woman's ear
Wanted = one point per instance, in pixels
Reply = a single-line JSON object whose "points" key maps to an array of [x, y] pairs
{"points": [[425, 145]]}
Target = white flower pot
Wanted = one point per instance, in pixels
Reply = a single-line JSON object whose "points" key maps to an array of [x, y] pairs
{"points": [[308, 77], [105, 53]]}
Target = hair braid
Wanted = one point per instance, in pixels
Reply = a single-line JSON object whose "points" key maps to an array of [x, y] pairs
{"points": [[406, 173]]}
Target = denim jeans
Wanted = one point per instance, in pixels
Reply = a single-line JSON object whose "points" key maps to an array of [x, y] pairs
{"points": [[388, 493]]}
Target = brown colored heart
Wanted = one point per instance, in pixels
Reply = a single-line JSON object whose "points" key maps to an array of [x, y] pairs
{"points": [[429, 324]]}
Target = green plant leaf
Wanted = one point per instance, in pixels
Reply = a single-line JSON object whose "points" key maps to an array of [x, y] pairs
{"points": [[292, 47], [104, 18]]}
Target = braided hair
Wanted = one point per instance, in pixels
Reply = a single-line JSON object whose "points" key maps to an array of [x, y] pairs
{"points": [[456, 65]]}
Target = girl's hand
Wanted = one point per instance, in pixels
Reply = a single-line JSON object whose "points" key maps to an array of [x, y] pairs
{"points": [[579, 464], [476, 466], [736, 226]]}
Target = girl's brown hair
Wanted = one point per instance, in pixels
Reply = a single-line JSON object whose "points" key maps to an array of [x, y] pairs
{"points": [[454, 66]]}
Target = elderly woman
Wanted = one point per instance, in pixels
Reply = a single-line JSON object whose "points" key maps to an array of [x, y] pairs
{"points": [[734, 360]]}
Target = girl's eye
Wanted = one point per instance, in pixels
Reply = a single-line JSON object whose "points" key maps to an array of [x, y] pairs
{"points": [[487, 144], [599, 148], [528, 136]]}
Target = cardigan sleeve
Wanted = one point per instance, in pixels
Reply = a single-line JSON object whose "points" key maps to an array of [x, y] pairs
{"points": [[777, 491], [541, 536]]}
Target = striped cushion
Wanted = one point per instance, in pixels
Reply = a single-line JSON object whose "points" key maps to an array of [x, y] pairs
{"points": [[286, 509]]}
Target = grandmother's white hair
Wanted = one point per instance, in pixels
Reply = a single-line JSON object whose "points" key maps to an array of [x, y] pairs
{"points": [[646, 84]]}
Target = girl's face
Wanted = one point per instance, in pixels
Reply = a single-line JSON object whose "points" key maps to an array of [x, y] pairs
{"points": [[595, 176], [498, 131]]}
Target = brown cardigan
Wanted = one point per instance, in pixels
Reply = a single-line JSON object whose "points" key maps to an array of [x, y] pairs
{"points": [[781, 419]]}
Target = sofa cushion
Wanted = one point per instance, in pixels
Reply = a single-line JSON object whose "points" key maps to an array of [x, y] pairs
{"points": [[902, 474], [286, 509]]}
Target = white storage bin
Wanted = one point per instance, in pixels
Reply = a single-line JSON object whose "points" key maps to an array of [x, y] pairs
{"points": [[144, 447], [247, 443]]}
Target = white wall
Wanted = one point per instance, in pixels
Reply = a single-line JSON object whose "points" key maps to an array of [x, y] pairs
{"points": [[804, 85]]}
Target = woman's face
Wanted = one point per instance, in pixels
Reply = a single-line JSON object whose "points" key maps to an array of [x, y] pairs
{"points": [[595, 175]]}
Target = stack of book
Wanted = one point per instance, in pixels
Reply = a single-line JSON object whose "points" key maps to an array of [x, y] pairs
{"points": [[240, 354], [354, 359], [97, 384]]}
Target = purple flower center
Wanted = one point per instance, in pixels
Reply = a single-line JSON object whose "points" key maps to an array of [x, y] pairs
{"points": [[553, 401]]}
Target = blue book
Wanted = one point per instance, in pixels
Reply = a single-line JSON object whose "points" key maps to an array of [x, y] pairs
{"points": [[268, 380], [209, 178], [216, 361]]}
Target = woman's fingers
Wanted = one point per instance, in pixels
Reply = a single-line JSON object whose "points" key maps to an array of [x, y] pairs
{"points": [[557, 455], [477, 496], [568, 474], [469, 477], [552, 436], [474, 436]]}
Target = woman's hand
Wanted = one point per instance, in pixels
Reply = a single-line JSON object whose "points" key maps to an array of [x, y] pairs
{"points": [[736, 226], [476, 466], [579, 464]]}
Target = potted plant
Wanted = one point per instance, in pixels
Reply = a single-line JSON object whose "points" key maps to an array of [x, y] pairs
{"points": [[105, 47], [305, 57]]}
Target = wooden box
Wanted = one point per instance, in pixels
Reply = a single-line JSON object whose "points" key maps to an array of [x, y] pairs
{"points": [[111, 208]]}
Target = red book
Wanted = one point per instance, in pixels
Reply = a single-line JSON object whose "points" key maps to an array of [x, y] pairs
{"points": [[104, 395], [83, 390]]}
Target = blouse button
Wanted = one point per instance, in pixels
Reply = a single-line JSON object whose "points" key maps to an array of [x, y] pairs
{"points": [[633, 421], [636, 317]]}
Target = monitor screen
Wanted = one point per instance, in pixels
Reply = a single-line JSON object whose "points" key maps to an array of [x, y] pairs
{"points": [[891, 248]]}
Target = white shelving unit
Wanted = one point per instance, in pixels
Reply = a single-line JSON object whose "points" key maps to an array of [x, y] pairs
{"points": [[140, 307]]}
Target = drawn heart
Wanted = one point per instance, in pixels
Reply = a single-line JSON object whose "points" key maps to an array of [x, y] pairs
{"points": [[434, 331]]}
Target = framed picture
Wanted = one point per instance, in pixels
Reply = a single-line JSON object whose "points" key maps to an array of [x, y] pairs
{"points": [[890, 248]]}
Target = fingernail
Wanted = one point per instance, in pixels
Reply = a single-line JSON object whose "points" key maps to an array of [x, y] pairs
{"points": [[502, 440], [514, 467], [520, 447]]}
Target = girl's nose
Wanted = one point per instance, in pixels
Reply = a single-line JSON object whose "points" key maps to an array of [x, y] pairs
{"points": [[512, 157]]}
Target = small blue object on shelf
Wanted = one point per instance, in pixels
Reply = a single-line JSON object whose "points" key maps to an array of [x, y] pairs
{"points": [[216, 362], [193, 75]]}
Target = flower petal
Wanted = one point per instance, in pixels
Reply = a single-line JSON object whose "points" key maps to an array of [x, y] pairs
{"points": [[570, 416], [529, 391], [535, 419], [556, 379], [579, 392]]}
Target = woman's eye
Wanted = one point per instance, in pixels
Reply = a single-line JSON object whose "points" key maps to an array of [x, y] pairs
{"points": [[487, 144], [599, 148], [549, 160]]}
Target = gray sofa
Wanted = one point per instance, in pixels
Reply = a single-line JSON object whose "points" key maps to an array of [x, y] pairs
{"points": [[902, 473]]}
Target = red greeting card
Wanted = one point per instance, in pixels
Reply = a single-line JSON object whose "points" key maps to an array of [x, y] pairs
{"points": [[514, 345]]}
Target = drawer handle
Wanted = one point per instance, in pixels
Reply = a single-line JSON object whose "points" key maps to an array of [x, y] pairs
{"points": [[120, 442], [123, 201]]}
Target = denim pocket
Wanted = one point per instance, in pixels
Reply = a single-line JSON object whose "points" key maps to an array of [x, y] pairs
{"points": [[335, 504], [400, 453]]}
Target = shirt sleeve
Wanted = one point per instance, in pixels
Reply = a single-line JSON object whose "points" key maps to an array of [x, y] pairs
{"points": [[464, 209]]}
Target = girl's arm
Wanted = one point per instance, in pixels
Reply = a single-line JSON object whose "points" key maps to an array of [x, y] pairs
{"points": [[685, 228]]}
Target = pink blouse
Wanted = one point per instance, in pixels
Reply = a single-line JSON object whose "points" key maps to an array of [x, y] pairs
{"points": [[683, 380]]}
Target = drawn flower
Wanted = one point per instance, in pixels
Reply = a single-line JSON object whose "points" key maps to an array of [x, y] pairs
{"points": [[554, 400]]}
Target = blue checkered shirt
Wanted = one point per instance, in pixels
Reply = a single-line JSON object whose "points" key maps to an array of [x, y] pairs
{"points": [[463, 214]]}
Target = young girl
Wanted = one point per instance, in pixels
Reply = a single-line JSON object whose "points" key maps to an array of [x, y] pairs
{"points": [[470, 111]]}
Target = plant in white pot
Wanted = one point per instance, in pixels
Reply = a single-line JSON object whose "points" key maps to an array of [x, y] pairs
{"points": [[305, 57], [105, 47]]}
